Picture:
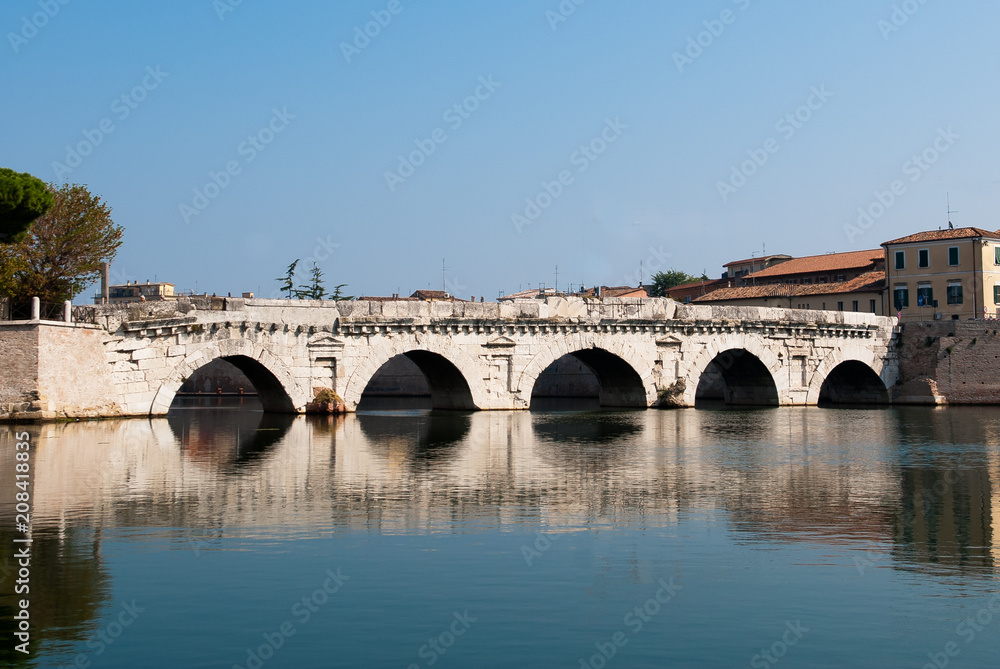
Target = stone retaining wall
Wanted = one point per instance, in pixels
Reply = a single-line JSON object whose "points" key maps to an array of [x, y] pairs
{"points": [[949, 362]]}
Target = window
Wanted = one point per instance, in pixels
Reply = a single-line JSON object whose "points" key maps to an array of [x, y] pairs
{"points": [[953, 255], [854, 305], [901, 297], [900, 260], [841, 277], [925, 295], [996, 292], [924, 258], [955, 292], [996, 255], [871, 305], [840, 306]]}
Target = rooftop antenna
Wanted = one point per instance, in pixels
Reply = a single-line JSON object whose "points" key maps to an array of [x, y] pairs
{"points": [[444, 288], [950, 212], [557, 278]]}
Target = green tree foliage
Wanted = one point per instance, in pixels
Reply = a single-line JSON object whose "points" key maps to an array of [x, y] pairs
{"points": [[288, 280], [23, 199], [62, 253], [337, 293], [663, 281], [314, 289]]}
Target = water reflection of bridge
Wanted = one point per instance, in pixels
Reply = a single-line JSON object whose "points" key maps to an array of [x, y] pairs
{"points": [[772, 473], [792, 474]]}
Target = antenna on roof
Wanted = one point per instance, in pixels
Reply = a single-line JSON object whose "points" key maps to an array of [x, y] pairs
{"points": [[557, 278], [950, 212]]}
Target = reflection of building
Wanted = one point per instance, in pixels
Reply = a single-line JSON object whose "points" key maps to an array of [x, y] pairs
{"points": [[949, 274], [946, 517]]}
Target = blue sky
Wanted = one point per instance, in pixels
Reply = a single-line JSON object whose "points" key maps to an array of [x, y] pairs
{"points": [[592, 136]]}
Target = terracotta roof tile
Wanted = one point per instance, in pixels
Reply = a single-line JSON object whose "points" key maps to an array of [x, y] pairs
{"points": [[867, 282], [697, 284], [616, 291], [523, 295], [936, 235], [830, 262], [744, 262]]}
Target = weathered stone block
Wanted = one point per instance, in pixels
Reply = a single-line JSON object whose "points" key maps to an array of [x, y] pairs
{"points": [[127, 377], [152, 363]]}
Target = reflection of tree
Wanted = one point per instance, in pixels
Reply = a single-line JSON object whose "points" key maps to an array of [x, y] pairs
{"points": [[69, 586]]}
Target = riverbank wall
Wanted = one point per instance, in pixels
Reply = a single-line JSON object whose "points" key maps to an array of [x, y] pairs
{"points": [[948, 362]]}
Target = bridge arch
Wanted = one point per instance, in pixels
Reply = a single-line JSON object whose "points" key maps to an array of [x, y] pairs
{"points": [[625, 375], [750, 372], [455, 379], [855, 376], [276, 386]]}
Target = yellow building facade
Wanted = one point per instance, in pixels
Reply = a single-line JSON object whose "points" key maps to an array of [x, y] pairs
{"points": [[944, 274]]}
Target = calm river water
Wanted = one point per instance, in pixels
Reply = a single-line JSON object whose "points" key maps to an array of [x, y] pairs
{"points": [[791, 537]]}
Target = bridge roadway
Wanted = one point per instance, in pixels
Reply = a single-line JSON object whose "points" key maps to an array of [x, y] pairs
{"points": [[131, 360]]}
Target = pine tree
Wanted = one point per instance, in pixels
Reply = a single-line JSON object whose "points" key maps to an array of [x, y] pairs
{"points": [[314, 290], [23, 199], [288, 281], [337, 293]]}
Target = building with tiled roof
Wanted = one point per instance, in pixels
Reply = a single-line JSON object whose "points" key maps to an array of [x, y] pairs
{"points": [[531, 294], [623, 291], [737, 269], [687, 292], [864, 292], [435, 296], [944, 274], [826, 268], [940, 235]]}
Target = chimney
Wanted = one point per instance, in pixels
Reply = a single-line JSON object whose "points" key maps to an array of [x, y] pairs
{"points": [[105, 273]]}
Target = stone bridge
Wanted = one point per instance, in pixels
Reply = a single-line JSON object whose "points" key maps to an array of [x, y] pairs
{"points": [[644, 352]]}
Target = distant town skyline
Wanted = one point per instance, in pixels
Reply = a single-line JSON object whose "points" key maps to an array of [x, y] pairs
{"points": [[378, 138]]}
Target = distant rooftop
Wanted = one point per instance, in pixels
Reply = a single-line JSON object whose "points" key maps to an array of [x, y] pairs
{"points": [[830, 262], [758, 259], [867, 282], [938, 235]]}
